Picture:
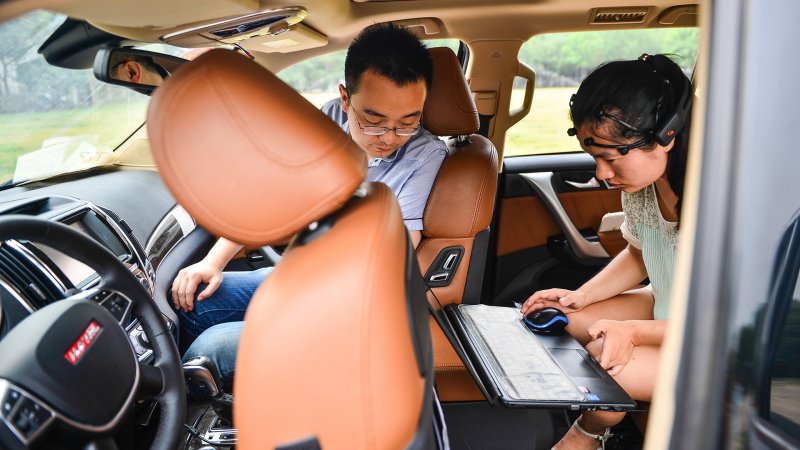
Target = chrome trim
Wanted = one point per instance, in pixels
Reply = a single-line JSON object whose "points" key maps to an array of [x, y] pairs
{"points": [[439, 277], [166, 235], [450, 261], [138, 259], [9, 287], [299, 10], [542, 183], [214, 436], [608, 186], [38, 263], [135, 330], [4, 388], [591, 184], [201, 375]]}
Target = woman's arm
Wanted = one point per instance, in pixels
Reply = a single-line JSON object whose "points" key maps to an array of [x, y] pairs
{"points": [[625, 271], [622, 273]]}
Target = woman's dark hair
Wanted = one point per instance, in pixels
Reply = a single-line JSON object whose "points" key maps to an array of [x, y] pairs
{"points": [[643, 94], [391, 51]]}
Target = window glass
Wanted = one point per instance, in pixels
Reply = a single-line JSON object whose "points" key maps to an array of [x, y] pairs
{"points": [[452, 44], [318, 78], [785, 383], [562, 60], [55, 120]]}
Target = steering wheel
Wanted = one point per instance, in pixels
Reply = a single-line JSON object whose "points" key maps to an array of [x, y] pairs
{"points": [[68, 371]]}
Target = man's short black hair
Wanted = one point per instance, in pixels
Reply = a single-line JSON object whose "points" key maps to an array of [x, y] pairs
{"points": [[391, 51]]}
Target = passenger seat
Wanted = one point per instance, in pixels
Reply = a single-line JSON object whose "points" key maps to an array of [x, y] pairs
{"points": [[452, 251]]}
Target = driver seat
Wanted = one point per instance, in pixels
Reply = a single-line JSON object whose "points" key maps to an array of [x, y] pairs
{"points": [[335, 350]]}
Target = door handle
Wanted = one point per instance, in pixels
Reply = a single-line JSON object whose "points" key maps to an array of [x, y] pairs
{"points": [[542, 184], [592, 183]]}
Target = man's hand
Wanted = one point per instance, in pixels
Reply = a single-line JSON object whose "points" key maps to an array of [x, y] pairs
{"points": [[619, 339], [185, 284], [563, 299]]}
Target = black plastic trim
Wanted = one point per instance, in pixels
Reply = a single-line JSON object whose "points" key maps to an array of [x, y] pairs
{"points": [[74, 44]]}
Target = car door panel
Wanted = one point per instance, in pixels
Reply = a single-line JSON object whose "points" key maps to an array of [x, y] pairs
{"points": [[547, 226]]}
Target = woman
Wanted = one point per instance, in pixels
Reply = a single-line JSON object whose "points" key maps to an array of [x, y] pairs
{"points": [[632, 117]]}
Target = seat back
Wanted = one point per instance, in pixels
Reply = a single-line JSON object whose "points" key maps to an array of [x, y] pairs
{"points": [[335, 356], [335, 350], [453, 248], [452, 252]]}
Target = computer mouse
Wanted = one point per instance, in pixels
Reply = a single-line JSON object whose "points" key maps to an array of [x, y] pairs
{"points": [[547, 321]]}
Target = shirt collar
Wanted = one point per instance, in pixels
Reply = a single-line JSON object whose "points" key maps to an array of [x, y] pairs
{"points": [[374, 162]]}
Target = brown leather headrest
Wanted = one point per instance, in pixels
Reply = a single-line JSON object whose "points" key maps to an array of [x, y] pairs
{"points": [[449, 107], [248, 157]]}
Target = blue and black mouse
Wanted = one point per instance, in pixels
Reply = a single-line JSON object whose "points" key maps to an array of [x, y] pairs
{"points": [[547, 321]]}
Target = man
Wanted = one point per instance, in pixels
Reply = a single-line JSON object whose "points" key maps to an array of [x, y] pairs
{"points": [[137, 70], [387, 76]]}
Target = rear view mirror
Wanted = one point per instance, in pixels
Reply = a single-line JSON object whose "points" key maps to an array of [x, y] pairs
{"points": [[140, 70]]}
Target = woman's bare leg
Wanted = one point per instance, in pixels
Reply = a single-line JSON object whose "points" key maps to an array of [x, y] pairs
{"points": [[638, 380], [636, 304]]}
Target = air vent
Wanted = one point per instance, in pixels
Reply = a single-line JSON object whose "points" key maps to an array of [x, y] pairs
{"points": [[611, 16], [27, 277]]}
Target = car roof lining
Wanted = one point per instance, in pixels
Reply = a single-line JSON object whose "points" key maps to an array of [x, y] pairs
{"points": [[341, 20]]}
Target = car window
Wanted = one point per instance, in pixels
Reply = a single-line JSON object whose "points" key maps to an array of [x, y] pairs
{"points": [[562, 60], [318, 78], [784, 411], [55, 120]]}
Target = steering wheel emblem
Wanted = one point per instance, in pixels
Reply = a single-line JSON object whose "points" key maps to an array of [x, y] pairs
{"points": [[81, 346]]}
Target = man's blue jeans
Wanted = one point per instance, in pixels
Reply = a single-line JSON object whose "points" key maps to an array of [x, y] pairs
{"points": [[219, 343], [216, 322]]}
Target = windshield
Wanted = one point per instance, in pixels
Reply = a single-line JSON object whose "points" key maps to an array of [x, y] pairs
{"points": [[55, 120]]}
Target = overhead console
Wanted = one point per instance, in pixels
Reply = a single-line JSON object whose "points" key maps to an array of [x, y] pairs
{"points": [[274, 30]]}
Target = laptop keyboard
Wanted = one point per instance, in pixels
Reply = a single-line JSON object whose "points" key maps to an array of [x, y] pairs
{"points": [[517, 359]]}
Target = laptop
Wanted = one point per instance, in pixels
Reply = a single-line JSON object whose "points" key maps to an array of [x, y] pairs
{"points": [[517, 368]]}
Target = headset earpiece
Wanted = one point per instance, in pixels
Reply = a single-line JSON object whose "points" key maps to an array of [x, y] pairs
{"points": [[665, 133]]}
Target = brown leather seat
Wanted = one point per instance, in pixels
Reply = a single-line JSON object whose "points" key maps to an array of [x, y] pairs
{"points": [[335, 347], [453, 248]]}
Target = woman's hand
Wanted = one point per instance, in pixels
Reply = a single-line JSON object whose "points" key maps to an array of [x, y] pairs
{"points": [[563, 299], [619, 339]]}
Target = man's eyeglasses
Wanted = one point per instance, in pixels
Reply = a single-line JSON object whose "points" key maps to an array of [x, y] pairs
{"points": [[380, 131]]}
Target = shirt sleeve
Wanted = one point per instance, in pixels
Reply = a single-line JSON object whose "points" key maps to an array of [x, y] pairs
{"points": [[628, 228], [333, 109], [629, 235], [414, 196]]}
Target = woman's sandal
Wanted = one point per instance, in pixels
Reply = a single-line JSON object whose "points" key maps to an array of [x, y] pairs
{"points": [[598, 437]]}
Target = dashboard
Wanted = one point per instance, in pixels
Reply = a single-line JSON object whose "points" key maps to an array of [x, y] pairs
{"points": [[33, 275], [131, 213]]}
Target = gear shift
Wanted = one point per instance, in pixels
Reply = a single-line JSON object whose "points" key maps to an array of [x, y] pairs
{"points": [[202, 372]]}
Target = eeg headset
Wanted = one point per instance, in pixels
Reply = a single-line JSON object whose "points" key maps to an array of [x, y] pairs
{"points": [[662, 134]]}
